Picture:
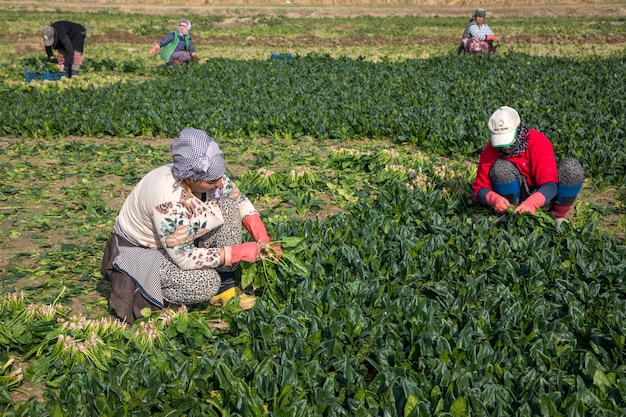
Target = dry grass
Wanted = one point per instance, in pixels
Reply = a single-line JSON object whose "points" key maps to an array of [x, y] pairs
{"points": [[332, 8], [468, 3]]}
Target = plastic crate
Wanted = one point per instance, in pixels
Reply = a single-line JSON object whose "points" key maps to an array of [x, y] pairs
{"points": [[47, 75], [286, 57]]}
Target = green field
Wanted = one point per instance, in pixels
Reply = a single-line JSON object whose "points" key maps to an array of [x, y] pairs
{"points": [[406, 299]]}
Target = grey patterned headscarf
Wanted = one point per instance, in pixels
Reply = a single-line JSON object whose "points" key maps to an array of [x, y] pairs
{"points": [[479, 13], [196, 156]]}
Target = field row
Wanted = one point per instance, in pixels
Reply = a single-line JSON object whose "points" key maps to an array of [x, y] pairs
{"points": [[439, 104]]}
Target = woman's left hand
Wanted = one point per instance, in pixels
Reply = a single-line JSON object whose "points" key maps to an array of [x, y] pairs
{"points": [[272, 252]]}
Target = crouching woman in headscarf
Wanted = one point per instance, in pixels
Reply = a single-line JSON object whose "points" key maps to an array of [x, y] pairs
{"points": [[478, 36], [177, 47], [518, 168], [178, 237]]}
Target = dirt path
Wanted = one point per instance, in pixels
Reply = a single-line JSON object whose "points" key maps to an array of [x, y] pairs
{"points": [[297, 10]]}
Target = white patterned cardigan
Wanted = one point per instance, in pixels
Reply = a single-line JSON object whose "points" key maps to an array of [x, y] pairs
{"points": [[163, 221]]}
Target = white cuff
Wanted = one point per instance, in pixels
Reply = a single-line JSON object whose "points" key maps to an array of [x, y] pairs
{"points": [[228, 254]]}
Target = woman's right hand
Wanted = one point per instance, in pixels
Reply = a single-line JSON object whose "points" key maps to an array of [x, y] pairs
{"points": [[246, 252], [499, 203]]}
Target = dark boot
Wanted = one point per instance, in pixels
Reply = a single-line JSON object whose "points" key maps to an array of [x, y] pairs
{"points": [[229, 280]]}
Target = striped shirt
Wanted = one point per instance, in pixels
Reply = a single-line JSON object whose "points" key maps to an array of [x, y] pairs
{"points": [[480, 32], [181, 43]]}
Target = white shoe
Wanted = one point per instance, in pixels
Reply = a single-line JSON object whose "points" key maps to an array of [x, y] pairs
{"points": [[559, 222]]}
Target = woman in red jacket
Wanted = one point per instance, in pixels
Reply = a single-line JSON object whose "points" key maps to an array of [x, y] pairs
{"points": [[518, 167]]}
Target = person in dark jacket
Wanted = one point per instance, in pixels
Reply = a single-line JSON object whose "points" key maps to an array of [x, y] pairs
{"points": [[69, 39]]}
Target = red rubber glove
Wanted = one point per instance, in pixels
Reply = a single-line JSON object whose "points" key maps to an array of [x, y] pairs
{"points": [[246, 252], [255, 226], [499, 203], [531, 204]]}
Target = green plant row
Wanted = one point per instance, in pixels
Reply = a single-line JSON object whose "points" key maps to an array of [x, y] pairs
{"points": [[410, 306], [439, 104]]}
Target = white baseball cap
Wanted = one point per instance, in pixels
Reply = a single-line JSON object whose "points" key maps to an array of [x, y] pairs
{"points": [[503, 126]]}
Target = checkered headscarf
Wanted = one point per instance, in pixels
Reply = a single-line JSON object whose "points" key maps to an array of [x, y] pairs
{"points": [[196, 156]]}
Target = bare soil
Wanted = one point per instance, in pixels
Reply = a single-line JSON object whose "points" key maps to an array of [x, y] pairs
{"points": [[351, 41]]}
